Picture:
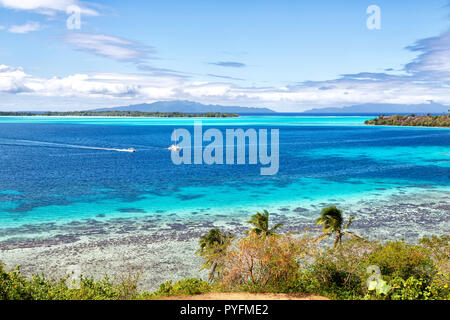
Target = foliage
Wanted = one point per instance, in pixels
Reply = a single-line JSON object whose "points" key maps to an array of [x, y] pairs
{"points": [[213, 246], [342, 272], [438, 249], [265, 264], [409, 289], [399, 259], [116, 113], [412, 120], [439, 287], [333, 222], [285, 263], [260, 222], [15, 286], [189, 286], [412, 289], [339, 272]]}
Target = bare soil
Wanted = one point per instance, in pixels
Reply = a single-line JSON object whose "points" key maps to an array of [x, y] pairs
{"points": [[246, 296]]}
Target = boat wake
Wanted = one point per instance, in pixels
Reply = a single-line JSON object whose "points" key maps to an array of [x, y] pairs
{"points": [[63, 145]]}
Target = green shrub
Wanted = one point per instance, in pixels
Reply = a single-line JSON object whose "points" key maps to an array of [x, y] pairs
{"points": [[439, 287], [106, 289], [419, 289], [399, 259], [339, 272], [278, 264], [331, 282], [410, 289], [185, 287], [438, 249], [15, 286]]}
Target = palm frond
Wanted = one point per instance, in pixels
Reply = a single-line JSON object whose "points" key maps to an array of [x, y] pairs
{"points": [[277, 226], [331, 219], [260, 223], [349, 222], [351, 234], [322, 237]]}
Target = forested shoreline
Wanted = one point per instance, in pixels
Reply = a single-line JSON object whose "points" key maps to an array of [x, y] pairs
{"points": [[120, 114]]}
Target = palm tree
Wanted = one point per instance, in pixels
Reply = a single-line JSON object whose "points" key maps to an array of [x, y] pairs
{"points": [[333, 222], [213, 246], [260, 221]]}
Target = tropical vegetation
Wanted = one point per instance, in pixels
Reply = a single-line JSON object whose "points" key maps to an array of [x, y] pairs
{"points": [[333, 223], [121, 114], [412, 120], [213, 246], [262, 260], [260, 223]]}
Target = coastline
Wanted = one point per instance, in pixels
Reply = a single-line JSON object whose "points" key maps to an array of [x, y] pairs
{"points": [[428, 121], [395, 126], [155, 230], [163, 249]]}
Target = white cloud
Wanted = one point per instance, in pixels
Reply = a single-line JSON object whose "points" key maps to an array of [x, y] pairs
{"points": [[12, 80], [426, 78], [119, 88], [47, 7], [25, 28], [434, 57], [108, 46]]}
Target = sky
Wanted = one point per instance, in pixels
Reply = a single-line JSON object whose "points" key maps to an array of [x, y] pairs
{"points": [[285, 55]]}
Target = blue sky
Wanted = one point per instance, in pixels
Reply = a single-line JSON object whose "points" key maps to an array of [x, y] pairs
{"points": [[286, 55]]}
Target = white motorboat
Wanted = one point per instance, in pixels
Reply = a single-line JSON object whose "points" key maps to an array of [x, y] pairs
{"points": [[174, 148]]}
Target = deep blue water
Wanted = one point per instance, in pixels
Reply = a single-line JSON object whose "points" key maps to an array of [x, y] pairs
{"points": [[44, 177]]}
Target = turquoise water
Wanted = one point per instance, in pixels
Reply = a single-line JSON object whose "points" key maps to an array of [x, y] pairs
{"points": [[54, 171], [241, 121]]}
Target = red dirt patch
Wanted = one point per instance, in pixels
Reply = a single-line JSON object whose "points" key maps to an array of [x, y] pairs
{"points": [[246, 296]]}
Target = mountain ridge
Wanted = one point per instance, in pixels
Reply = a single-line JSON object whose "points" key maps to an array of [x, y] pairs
{"points": [[380, 108], [185, 107]]}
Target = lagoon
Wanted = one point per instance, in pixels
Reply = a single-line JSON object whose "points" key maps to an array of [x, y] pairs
{"points": [[67, 199]]}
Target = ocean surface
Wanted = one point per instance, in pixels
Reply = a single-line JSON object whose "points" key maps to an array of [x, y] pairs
{"points": [[55, 172]]}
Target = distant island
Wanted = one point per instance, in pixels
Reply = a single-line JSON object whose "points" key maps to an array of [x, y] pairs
{"points": [[411, 120], [114, 113], [384, 108], [187, 107]]}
